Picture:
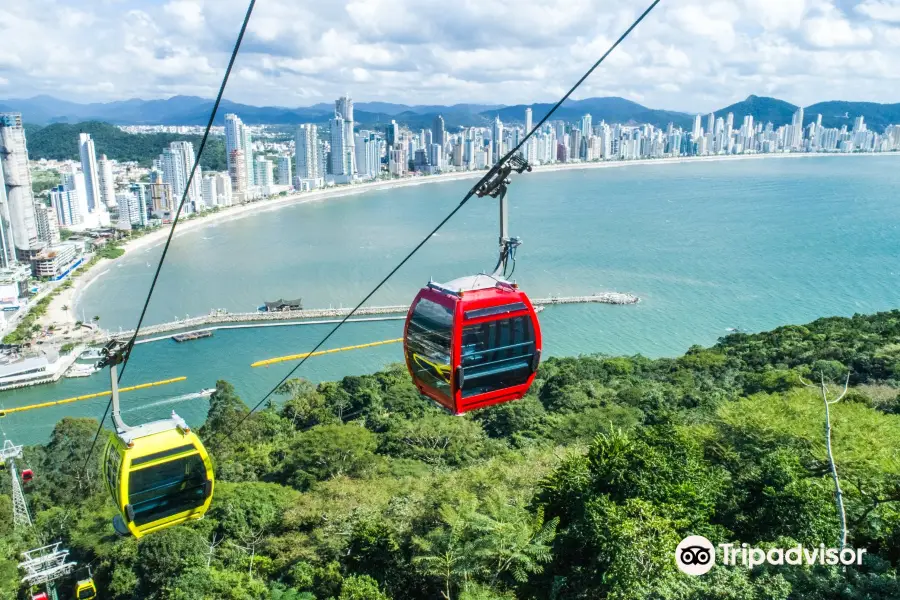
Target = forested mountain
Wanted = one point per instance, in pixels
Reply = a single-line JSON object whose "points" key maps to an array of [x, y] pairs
{"points": [[762, 109], [60, 142], [362, 490], [191, 110]]}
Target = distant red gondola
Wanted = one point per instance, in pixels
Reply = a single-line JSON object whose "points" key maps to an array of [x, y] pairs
{"points": [[27, 475], [472, 342]]}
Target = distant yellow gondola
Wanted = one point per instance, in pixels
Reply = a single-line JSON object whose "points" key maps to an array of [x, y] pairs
{"points": [[85, 588], [158, 474]]}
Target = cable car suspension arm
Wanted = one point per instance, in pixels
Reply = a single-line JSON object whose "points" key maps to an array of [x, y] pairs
{"points": [[114, 352], [496, 187]]}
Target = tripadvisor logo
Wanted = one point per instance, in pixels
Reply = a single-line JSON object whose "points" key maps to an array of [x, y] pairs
{"points": [[696, 555]]}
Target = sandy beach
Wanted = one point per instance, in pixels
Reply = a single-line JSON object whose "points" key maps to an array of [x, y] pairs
{"points": [[69, 298]]}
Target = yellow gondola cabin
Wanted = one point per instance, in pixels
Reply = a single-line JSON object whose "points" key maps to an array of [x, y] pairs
{"points": [[158, 474], [85, 588]]}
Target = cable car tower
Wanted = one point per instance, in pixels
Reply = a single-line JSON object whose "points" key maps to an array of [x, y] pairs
{"points": [[42, 565], [45, 565], [11, 452]]}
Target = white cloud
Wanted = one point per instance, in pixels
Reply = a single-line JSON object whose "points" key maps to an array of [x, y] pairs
{"points": [[880, 10], [687, 55], [831, 32]]}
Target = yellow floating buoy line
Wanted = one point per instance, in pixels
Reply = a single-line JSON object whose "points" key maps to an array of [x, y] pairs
{"points": [[272, 361], [143, 386]]}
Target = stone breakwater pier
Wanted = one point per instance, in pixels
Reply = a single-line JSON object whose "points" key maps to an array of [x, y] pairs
{"points": [[220, 319]]}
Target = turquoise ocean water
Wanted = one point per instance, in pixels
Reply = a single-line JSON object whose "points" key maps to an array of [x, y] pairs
{"points": [[707, 246]]}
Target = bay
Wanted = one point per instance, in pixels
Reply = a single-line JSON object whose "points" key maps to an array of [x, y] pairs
{"points": [[706, 245]]}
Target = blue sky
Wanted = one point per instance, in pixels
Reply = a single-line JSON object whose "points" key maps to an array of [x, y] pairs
{"points": [[692, 55]]}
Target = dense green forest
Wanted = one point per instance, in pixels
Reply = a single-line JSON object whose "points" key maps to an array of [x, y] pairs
{"points": [[60, 142], [362, 490]]}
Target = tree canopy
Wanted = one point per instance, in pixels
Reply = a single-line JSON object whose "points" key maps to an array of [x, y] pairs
{"points": [[362, 490]]}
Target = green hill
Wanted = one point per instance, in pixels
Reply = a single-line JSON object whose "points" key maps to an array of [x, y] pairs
{"points": [[762, 110], [360, 489], [59, 141]]}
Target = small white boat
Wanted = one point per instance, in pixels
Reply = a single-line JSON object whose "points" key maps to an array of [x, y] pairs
{"points": [[207, 391], [91, 354], [81, 371]]}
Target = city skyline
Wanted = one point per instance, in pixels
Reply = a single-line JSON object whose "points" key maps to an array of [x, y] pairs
{"points": [[690, 55]]}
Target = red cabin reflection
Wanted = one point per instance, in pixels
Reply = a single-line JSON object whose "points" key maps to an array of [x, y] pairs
{"points": [[472, 342], [27, 475]]}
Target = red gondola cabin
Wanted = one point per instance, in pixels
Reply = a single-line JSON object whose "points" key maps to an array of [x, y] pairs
{"points": [[27, 475], [472, 342]]}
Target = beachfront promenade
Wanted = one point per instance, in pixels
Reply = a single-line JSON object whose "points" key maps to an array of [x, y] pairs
{"points": [[225, 320]]}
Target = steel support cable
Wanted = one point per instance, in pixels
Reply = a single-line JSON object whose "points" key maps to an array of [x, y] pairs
{"points": [[184, 196], [493, 171]]}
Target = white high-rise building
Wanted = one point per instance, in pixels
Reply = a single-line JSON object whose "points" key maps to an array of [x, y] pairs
{"points": [[66, 204], [343, 108], [285, 172], [47, 224], [528, 118], [586, 126], [797, 129], [237, 171], [265, 172], [89, 168], [367, 155], [17, 181], [238, 137], [711, 124], [209, 191], [131, 211], [75, 181], [223, 189], [307, 155], [698, 127], [497, 139], [177, 161], [342, 151], [107, 183], [7, 248], [247, 147]]}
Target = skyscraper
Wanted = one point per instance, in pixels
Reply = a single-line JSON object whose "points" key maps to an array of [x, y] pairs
{"points": [[47, 224], [237, 171], [343, 108], [210, 191], [177, 161], [497, 139], [392, 134], [7, 248], [17, 179], [797, 130], [438, 134], [107, 183], [285, 172], [265, 170], [89, 168], [586, 126], [239, 137], [698, 125], [223, 189], [342, 150], [306, 153], [65, 202], [528, 118]]}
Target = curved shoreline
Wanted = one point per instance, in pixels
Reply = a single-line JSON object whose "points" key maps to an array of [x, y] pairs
{"points": [[240, 211]]}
